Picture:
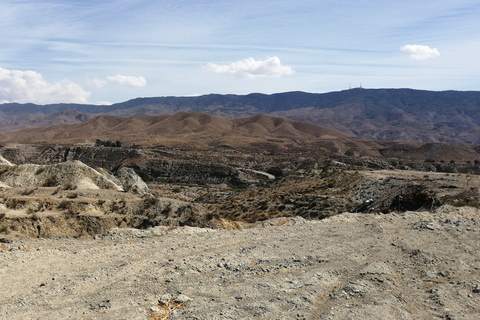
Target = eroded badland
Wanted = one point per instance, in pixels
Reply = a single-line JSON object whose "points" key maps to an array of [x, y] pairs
{"points": [[269, 224]]}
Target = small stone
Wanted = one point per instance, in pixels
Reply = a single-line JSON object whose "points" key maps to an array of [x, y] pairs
{"points": [[165, 299], [476, 289], [155, 309], [182, 299]]}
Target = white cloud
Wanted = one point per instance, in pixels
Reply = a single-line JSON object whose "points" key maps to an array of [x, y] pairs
{"points": [[420, 52], [97, 83], [30, 86], [130, 81], [251, 68]]}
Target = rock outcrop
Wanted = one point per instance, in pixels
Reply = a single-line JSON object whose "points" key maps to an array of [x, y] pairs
{"points": [[5, 162], [131, 181], [74, 173]]}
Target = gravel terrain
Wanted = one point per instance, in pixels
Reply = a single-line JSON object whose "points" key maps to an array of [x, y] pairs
{"points": [[413, 265]]}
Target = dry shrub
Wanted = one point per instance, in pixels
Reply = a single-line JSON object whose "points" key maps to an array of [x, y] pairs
{"points": [[159, 313], [31, 210], [221, 223], [163, 311], [4, 229], [167, 210], [50, 182], [40, 170], [253, 217], [35, 216], [119, 207], [281, 223], [69, 207], [4, 169], [69, 186], [57, 190], [466, 203], [72, 195], [71, 212], [65, 204], [28, 191], [149, 201], [4, 248], [14, 203]]}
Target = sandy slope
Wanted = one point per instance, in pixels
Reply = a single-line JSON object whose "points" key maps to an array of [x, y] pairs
{"points": [[416, 265]]}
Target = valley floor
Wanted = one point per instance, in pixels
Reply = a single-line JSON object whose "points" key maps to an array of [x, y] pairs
{"points": [[412, 265]]}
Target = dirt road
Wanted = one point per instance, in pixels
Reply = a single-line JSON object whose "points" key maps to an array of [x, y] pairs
{"points": [[414, 265]]}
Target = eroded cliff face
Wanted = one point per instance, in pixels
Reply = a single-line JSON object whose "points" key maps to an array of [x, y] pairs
{"points": [[216, 188], [175, 166], [96, 157]]}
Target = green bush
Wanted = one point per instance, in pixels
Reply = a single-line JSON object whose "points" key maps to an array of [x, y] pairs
{"points": [[108, 143]]}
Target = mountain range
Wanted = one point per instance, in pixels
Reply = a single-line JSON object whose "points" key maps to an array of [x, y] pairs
{"points": [[376, 114], [260, 134]]}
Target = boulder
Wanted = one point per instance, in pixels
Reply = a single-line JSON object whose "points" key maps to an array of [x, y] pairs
{"points": [[131, 181]]}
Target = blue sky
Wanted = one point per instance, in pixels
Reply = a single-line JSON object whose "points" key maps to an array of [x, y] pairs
{"points": [[111, 51]]}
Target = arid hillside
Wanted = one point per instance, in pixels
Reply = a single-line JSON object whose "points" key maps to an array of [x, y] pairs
{"points": [[196, 130], [253, 218], [259, 133], [376, 114]]}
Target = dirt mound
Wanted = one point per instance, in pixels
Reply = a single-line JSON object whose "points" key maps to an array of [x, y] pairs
{"points": [[74, 173]]}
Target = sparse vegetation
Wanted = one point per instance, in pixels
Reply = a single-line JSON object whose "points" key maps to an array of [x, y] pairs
{"points": [[108, 143], [149, 201], [65, 204], [466, 203], [57, 190], [69, 186], [142, 173], [72, 195], [14, 203], [28, 191], [50, 182], [4, 169]]}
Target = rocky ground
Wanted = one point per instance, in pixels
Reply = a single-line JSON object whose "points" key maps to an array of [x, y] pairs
{"points": [[240, 240], [412, 265]]}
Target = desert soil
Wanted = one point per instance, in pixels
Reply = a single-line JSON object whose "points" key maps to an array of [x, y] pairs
{"points": [[413, 265]]}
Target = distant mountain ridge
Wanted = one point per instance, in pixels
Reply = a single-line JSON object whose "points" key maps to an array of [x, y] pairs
{"points": [[180, 128], [379, 114], [261, 133]]}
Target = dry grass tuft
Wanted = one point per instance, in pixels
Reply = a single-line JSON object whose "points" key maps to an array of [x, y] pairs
{"points": [[72, 195], [281, 223], [68, 186], [163, 311], [224, 224]]}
